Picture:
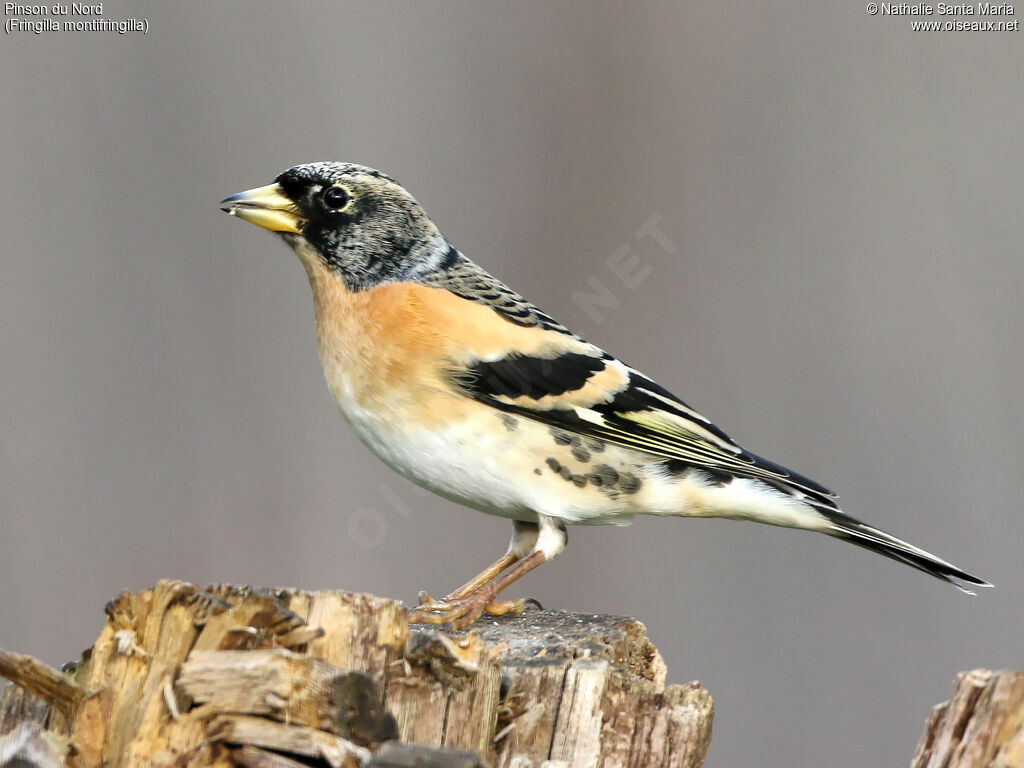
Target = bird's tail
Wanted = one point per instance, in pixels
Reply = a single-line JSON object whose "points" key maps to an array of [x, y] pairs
{"points": [[863, 535]]}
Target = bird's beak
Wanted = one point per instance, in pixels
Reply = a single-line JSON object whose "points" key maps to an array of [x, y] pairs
{"points": [[266, 207]]}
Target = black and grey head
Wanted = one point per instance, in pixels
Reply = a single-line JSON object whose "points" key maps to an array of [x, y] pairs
{"points": [[364, 227], [357, 221]]}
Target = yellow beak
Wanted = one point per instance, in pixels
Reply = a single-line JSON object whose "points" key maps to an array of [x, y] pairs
{"points": [[266, 207]]}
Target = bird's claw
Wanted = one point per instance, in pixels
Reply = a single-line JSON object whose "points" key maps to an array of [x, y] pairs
{"points": [[428, 603], [459, 614], [504, 607]]}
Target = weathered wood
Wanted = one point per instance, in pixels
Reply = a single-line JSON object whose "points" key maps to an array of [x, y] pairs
{"points": [[577, 739], [674, 728], [567, 670], [290, 687], [526, 724], [251, 757], [41, 679], [981, 726], [563, 635], [290, 739], [397, 755], [183, 676]]}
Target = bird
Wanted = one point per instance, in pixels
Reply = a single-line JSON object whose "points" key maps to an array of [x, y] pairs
{"points": [[465, 387]]}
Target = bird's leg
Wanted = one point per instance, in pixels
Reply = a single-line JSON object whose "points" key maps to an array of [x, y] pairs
{"points": [[460, 613], [524, 537]]}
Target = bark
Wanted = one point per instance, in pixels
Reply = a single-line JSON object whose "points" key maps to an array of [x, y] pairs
{"points": [[981, 726], [183, 676]]}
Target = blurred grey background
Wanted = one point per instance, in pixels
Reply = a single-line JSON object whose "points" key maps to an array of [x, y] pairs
{"points": [[842, 293]]}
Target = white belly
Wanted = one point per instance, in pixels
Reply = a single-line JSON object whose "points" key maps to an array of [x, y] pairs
{"points": [[483, 464], [466, 464]]}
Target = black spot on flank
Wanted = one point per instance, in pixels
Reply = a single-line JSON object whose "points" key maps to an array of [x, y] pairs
{"points": [[579, 480], [608, 474], [556, 466], [536, 470], [561, 438], [510, 422], [629, 483], [581, 454], [596, 479], [535, 377], [594, 446]]}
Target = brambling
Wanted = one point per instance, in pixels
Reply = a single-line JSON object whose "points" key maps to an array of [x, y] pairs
{"points": [[466, 388]]}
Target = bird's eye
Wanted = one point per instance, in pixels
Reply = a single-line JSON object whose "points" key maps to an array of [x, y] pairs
{"points": [[335, 197]]}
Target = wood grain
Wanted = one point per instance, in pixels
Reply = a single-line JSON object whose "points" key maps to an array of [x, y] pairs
{"points": [[183, 676], [981, 726]]}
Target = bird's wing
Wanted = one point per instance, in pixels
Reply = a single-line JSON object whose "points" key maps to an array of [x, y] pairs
{"points": [[563, 381]]}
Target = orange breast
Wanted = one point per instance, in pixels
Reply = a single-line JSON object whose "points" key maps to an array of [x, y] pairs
{"points": [[391, 349]]}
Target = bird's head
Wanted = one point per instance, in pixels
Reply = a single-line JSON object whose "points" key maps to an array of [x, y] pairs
{"points": [[357, 222]]}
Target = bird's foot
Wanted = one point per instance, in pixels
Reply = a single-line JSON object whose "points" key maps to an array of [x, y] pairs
{"points": [[460, 613], [504, 607], [427, 603]]}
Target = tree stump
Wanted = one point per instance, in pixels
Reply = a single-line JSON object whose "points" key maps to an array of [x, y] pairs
{"points": [[183, 676], [981, 726]]}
